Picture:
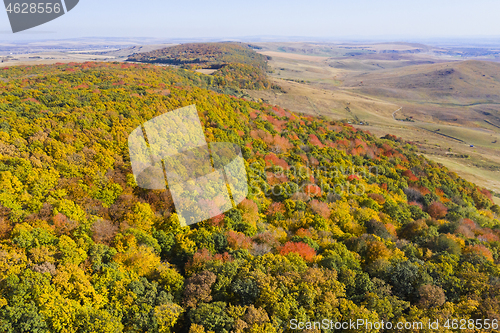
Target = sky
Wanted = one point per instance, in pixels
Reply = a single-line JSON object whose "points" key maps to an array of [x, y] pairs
{"points": [[390, 19]]}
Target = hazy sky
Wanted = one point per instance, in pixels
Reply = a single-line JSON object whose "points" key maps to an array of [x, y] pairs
{"points": [[226, 18]]}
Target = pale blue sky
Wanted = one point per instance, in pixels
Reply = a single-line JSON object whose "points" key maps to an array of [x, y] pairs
{"points": [[225, 18]]}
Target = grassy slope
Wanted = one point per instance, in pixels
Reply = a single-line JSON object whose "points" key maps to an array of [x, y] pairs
{"points": [[322, 91]]}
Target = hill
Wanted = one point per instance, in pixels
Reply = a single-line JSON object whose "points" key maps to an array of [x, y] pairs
{"points": [[238, 65], [464, 82], [457, 130], [474, 84], [338, 223], [206, 55]]}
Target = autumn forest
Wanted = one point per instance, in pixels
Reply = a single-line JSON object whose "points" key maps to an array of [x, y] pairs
{"points": [[337, 224]]}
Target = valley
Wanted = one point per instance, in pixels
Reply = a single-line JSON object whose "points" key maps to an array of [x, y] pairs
{"points": [[449, 108]]}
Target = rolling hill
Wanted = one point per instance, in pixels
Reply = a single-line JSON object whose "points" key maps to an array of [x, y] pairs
{"points": [[407, 94], [463, 83], [206, 55], [237, 65]]}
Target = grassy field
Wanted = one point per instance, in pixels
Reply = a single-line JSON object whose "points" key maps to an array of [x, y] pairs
{"points": [[47, 58], [479, 176], [89, 54], [337, 104]]}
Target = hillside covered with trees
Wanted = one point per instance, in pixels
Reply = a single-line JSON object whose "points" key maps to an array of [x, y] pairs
{"points": [[238, 65], [338, 224]]}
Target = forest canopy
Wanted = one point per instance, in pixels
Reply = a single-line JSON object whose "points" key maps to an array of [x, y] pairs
{"points": [[207, 55], [338, 224], [237, 64]]}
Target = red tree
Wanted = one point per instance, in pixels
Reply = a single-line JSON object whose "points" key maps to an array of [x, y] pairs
{"points": [[302, 249], [437, 210]]}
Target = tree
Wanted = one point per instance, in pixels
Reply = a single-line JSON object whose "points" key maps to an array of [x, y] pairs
{"points": [[103, 231], [85, 249], [212, 316], [167, 316], [377, 228], [320, 208], [302, 249], [98, 321], [404, 277], [431, 296], [71, 253], [444, 243], [237, 240], [198, 288], [246, 290], [437, 210]]}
